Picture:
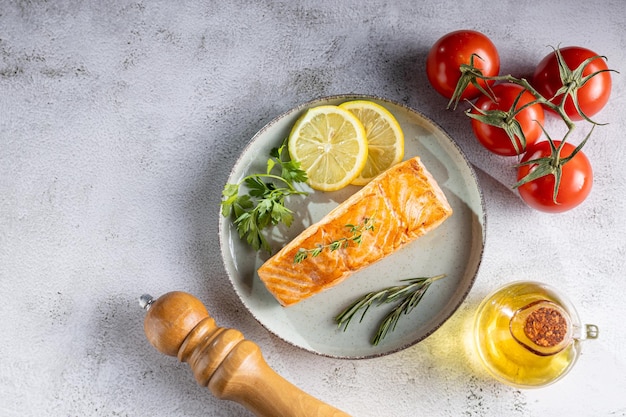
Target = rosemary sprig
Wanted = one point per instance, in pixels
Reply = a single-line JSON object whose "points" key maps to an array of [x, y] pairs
{"points": [[406, 297], [264, 204], [343, 242]]}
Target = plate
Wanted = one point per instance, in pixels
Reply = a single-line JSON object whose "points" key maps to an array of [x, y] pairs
{"points": [[455, 248]]}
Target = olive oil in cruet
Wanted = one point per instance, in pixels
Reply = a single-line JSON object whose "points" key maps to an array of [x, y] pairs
{"points": [[528, 335]]}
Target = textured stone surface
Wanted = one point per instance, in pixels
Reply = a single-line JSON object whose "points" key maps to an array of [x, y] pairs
{"points": [[119, 123]]}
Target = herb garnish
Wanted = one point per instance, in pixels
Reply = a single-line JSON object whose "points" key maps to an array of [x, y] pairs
{"points": [[407, 297], [344, 242], [264, 205]]}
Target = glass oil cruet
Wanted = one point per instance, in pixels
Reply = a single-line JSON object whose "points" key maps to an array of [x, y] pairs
{"points": [[528, 335]]}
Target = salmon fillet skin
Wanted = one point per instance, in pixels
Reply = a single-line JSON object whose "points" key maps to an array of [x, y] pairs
{"points": [[402, 203]]}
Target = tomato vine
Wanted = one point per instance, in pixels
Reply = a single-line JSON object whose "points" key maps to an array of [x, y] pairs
{"points": [[572, 80]]}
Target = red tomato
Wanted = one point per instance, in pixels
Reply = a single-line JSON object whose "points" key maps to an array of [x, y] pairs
{"points": [[530, 119], [449, 52], [592, 96], [576, 180]]}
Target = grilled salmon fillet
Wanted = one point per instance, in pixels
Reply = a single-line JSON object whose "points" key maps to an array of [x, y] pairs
{"points": [[403, 203]]}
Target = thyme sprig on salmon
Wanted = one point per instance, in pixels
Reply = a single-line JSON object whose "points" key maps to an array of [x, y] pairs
{"points": [[356, 236]]}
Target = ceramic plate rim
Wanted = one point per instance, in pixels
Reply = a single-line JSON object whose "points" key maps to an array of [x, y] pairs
{"points": [[223, 223]]}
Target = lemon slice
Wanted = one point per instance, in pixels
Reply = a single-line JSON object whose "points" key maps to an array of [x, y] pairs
{"points": [[331, 146], [385, 139]]}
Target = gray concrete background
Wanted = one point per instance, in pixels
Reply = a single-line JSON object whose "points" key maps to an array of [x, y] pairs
{"points": [[119, 123]]}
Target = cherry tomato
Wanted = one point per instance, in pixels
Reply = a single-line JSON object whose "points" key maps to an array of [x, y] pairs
{"points": [[450, 51], [530, 120], [592, 96], [576, 180]]}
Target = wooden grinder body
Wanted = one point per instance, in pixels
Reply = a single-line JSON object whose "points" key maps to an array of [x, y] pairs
{"points": [[233, 368]]}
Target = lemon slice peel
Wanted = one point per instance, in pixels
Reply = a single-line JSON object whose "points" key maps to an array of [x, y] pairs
{"points": [[384, 136], [331, 146]]}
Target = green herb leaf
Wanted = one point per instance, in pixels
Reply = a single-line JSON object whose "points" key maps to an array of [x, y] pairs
{"points": [[280, 213], [264, 204], [406, 297], [343, 242], [230, 197]]}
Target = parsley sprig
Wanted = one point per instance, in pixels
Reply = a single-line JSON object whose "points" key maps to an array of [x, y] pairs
{"points": [[264, 203]]}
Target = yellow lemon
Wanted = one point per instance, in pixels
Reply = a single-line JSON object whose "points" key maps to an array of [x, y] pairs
{"points": [[385, 139], [330, 144]]}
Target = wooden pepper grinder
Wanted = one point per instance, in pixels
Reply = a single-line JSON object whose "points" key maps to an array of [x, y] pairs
{"points": [[233, 368]]}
